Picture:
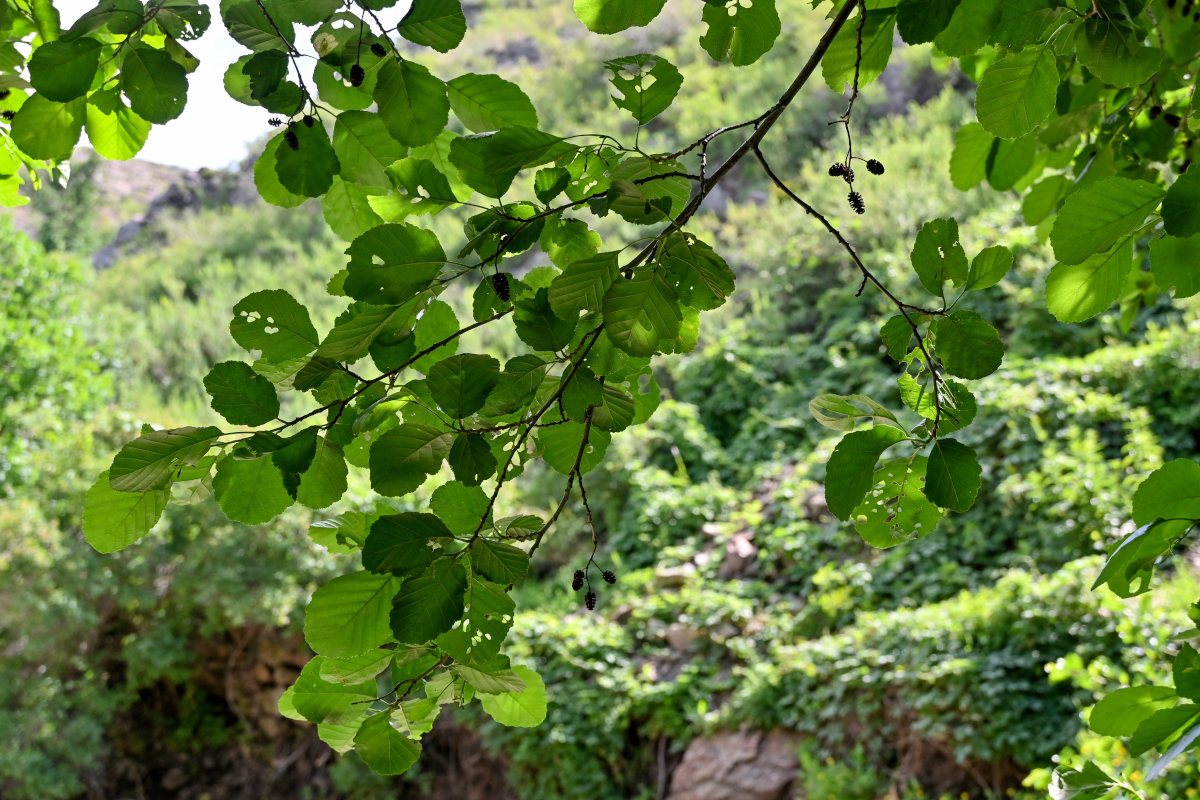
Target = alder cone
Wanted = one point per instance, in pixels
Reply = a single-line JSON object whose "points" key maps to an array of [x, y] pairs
{"points": [[501, 287]]}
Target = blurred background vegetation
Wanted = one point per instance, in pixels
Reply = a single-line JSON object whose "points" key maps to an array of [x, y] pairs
{"points": [[748, 631]]}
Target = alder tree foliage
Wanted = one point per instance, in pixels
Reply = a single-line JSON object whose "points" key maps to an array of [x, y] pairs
{"points": [[1085, 108]]}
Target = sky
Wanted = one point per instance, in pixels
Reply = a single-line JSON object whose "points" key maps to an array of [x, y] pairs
{"points": [[214, 129]]}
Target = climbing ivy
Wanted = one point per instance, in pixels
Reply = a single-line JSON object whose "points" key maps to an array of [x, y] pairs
{"points": [[1084, 108]]}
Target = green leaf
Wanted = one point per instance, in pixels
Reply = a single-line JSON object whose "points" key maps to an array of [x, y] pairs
{"points": [[968, 345], [616, 410], [310, 168], [851, 468], [838, 65], [1186, 740], [430, 604], [937, 255], [1130, 566], [560, 445], [895, 509], [347, 209], [63, 70], [304, 12], [437, 325], [920, 20], [115, 132], [48, 130], [412, 102], [241, 395], [1186, 672], [151, 460], [1181, 206], [324, 482], [897, 334], [391, 263], [488, 102], [970, 28], [488, 619], [582, 285], [357, 328], [704, 280], [517, 385], [405, 544], [1031, 21], [959, 406], [113, 520], [1010, 160], [1174, 263], [460, 384], [1075, 292], [273, 322], [1043, 197], [383, 748], [1114, 53], [155, 84], [251, 490], [491, 681], [1162, 726], [499, 562], [471, 458], [538, 326], [969, 159], [611, 16], [266, 177], [566, 241], [1094, 218], [318, 700], [488, 162], [251, 28], [1017, 92], [439, 24], [459, 506], [525, 709], [952, 476], [842, 412], [404, 457], [1170, 492], [265, 71], [647, 83], [1088, 783], [349, 615], [989, 267], [357, 668], [642, 314], [365, 149]]}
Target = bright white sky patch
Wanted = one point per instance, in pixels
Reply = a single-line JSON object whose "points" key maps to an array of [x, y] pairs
{"points": [[213, 129]]}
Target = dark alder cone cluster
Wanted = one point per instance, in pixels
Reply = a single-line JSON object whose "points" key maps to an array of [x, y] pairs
{"points": [[8, 115], [357, 75], [290, 137], [274, 122], [308, 120], [4, 93], [846, 173], [501, 287], [589, 598], [378, 49]]}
